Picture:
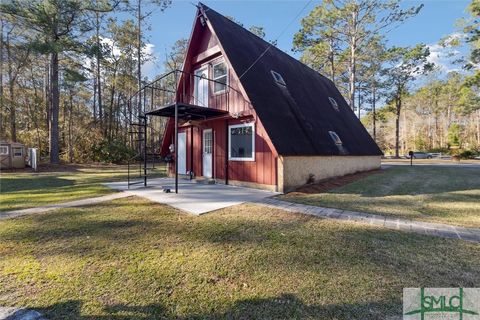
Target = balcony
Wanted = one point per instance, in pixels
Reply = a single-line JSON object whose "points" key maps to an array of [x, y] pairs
{"points": [[194, 96]]}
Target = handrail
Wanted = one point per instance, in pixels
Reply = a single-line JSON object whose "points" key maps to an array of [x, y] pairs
{"points": [[180, 88], [165, 75]]}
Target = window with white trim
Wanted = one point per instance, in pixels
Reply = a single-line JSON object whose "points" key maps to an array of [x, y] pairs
{"points": [[3, 150], [17, 152], [241, 141], [220, 77]]}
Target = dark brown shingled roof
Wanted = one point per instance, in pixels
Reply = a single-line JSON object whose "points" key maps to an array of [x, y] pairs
{"points": [[297, 117]]}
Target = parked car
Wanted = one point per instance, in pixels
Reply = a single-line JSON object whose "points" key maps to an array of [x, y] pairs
{"points": [[432, 155], [418, 155]]}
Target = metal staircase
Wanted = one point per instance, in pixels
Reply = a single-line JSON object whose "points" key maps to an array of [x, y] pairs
{"points": [[170, 89]]}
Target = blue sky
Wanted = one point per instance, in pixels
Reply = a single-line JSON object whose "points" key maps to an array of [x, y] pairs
{"points": [[436, 20]]}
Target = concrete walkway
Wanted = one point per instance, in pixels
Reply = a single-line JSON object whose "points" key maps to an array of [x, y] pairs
{"points": [[76, 203], [198, 198], [10, 313], [195, 198], [425, 228]]}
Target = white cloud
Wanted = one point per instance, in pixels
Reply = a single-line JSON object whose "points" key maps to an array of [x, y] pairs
{"points": [[443, 57], [446, 54], [150, 68]]}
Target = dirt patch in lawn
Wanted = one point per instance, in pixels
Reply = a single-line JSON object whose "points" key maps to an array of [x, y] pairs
{"points": [[332, 183]]}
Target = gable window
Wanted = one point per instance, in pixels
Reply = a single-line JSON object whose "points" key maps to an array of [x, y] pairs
{"points": [[336, 139], [220, 77], [17, 152], [3, 150], [334, 103], [241, 139], [278, 78]]}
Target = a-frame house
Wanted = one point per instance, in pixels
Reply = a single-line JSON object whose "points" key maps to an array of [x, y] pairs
{"points": [[251, 115]]}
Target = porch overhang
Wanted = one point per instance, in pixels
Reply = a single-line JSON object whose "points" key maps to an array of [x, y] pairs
{"points": [[187, 112]]}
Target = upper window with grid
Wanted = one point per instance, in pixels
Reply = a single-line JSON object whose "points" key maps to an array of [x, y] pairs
{"points": [[220, 77]]}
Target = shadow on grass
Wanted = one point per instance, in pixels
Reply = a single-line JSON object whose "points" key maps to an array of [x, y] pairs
{"points": [[299, 243], [402, 181], [285, 306], [33, 183]]}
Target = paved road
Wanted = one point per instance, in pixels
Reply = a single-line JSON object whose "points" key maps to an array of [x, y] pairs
{"points": [[432, 163]]}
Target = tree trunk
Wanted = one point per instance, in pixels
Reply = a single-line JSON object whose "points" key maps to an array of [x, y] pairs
{"points": [[112, 101], [48, 102], [332, 61], [13, 120], [359, 104], [352, 76], [398, 104], [1, 77], [353, 58], [55, 96], [374, 99], [478, 127], [11, 88], [99, 78], [139, 71], [94, 94], [70, 140]]}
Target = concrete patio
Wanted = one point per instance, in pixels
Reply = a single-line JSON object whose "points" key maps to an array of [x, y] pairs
{"points": [[195, 198]]}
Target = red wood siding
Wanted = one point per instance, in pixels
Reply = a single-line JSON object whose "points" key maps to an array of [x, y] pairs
{"points": [[261, 170], [203, 51]]}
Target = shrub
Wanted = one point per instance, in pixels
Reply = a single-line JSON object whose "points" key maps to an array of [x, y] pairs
{"points": [[113, 151], [467, 154], [439, 150]]}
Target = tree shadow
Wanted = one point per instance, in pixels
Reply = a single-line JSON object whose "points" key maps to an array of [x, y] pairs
{"points": [[284, 306], [402, 181], [32, 184]]}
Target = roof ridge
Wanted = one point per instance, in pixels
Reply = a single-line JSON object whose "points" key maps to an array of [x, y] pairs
{"points": [[269, 44]]}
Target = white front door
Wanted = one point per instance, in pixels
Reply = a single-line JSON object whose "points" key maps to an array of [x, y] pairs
{"points": [[207, 152], [182, 153], [201, 87]]}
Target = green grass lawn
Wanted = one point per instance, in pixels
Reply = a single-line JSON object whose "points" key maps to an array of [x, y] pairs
{"points": [[132, 259], [433, 194], [22, 190]]}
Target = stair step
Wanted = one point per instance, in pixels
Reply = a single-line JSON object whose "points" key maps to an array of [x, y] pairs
{"points": [[205, 180], [136, 182]]}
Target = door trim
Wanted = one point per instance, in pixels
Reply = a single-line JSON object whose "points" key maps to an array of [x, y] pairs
{"points": [[196, 80], [185, 150], [211, 153]]}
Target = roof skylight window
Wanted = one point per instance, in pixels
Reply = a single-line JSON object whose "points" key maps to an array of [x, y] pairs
{"points": [[336, 139], [278, 78], [334, 103]]}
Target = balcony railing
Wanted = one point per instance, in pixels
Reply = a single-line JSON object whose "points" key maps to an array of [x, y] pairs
{"points": [[178, 86]]}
